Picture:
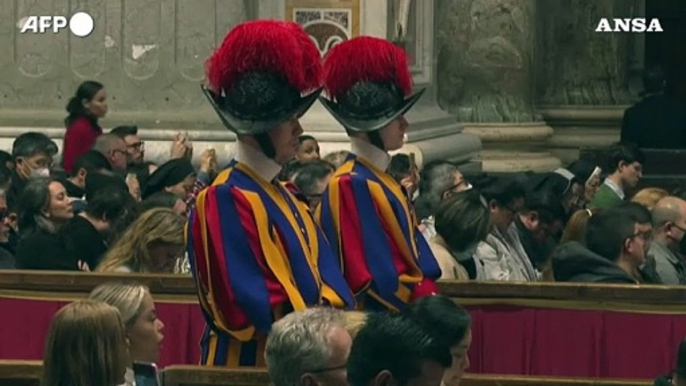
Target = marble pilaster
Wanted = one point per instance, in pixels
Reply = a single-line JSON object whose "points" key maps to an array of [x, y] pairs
{"points": [[486, 78], [587, 79]]}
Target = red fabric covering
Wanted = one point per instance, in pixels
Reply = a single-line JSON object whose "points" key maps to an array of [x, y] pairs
{"points": [[573, 343], [24, 327], [506, 339]]}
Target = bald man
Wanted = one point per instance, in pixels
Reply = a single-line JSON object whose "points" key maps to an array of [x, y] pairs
{"points": [[114, 149], [669, 227]]}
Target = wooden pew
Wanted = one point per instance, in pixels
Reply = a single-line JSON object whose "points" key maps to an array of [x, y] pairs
{"points": [[203, 376], [20, 373], [519, 328]]}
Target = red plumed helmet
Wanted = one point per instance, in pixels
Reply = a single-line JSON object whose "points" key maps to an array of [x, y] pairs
{"points": [[257, 78], [368, 82]]}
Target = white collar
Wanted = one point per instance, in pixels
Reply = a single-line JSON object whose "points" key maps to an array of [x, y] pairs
{"points": [[614, 187], [264, 166], [377, 157]]}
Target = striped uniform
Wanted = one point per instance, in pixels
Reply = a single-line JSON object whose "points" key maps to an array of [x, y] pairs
{"points": [[256, 254], [369, 221]]}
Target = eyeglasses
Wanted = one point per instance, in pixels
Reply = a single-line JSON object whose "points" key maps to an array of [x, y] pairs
{"points": [[326, 369], [455, 188], [136, 146], [646, 235]]}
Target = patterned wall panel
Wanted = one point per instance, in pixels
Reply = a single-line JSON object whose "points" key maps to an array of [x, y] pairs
{"points": [[327, 22], [149, 54]]}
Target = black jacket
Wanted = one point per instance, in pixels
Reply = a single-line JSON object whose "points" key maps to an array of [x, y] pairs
{"points": [[573, 262], [656, 122]]}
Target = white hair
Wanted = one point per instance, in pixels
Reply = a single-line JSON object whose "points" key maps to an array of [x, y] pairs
{"points": [[300, 342]]}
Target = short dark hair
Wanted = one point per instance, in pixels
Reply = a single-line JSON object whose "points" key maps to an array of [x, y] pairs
{"points": [[462, 220], [5, 175], [306, 137], [5, 157], [624, 151], [502, 190], [160, 199], [32, 143], [653, 79], [607, 229], [399, 167], [124, 131], [91, 161], [441, 317], [310, 173], [110, 204], [546, 204], [395, 343]]}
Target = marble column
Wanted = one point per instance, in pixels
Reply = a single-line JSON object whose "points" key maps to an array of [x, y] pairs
{"points": [[486, 78], [584, 76]]}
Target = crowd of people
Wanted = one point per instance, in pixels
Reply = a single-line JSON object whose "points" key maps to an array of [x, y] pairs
{"points": [[281, 240]]}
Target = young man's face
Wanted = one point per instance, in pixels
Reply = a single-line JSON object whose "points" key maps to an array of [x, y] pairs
{"points": [[631, 173], [285, 140]]}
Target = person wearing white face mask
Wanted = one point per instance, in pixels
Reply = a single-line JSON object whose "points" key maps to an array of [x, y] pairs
{"points": [[32, 154], [462, 221]]}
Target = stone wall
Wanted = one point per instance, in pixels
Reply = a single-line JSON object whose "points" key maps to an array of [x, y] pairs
{"points": [[150, 56]]}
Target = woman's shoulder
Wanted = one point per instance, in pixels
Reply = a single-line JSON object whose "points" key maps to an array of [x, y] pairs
{"points": [[82, 124]]}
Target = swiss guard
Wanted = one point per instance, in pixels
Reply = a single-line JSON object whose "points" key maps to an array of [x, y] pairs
{"points": [[255, 249], [365, 213]]}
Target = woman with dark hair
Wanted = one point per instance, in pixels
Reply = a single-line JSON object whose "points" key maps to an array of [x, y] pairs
{"points": [[84, 108], [308, 148], [44, 208], [449, 323], [588, 174]]}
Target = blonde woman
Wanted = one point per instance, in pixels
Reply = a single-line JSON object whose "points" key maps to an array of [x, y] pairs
{"points": [[137, 309], [152, 244], [648, 197], [86, 346]]}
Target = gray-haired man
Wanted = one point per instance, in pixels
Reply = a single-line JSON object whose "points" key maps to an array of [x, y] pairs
{"points": [[308, 348]]}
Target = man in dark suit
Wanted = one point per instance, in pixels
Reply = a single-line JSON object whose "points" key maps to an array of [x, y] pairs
{"points": [[658, 121]]}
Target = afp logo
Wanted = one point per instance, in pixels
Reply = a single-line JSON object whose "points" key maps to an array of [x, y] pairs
{"points": [[637, 25], [81, 24]]}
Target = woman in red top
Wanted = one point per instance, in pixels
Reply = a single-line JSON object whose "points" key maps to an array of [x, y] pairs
{"points": [[84, 108]]}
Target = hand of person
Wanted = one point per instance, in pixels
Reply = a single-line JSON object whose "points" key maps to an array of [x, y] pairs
{"points": [[208, 161], [83, 266], [409, 183], [134, 186], [178, 147]]}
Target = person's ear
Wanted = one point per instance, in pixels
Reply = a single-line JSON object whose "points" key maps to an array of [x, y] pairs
{"points": [[621, 165], [384, 378], [82, 173], [533, 218], [307, 379], [492, 205]]}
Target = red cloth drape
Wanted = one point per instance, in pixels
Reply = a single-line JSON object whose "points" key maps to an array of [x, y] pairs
{"points": [[24, 327], [506, 339]]}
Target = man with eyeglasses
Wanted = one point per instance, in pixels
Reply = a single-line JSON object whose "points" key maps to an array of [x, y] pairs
{"points": [[669, 227], [616, 243], [502, 254], [308, 348], [135, 148]]}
